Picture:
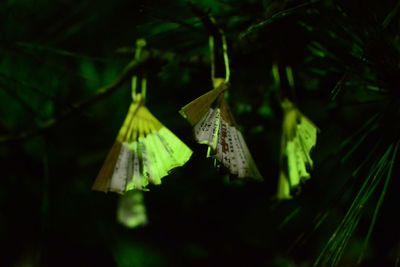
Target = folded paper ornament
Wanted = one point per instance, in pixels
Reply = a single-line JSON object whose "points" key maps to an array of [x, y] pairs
{"points": [[299, 136], [215, 126], [131, 210], [143, 153]]}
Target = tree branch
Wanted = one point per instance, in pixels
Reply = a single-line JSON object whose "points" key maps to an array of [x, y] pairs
{"points": [[206, 18], [130, 69]]}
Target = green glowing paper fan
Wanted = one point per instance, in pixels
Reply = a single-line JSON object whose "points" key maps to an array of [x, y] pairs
{"points": [[143, 153], [299, 136], [131, 210]]}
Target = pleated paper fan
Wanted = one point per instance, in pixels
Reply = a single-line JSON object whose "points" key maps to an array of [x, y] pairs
{"points": [[299, 136], [215, 126], [144, 152], [195, 110]]}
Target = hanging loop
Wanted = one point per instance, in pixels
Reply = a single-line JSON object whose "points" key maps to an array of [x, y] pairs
{"points": [[140, 43], [216, 81]]}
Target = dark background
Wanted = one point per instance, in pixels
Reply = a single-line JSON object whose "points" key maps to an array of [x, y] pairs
{"points": [[54, 54]]}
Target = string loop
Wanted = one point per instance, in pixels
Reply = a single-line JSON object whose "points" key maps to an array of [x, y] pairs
{"points": [[140, 43]]}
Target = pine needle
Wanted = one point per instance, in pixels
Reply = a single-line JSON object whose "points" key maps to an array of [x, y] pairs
{"points": [[380, 201], [356, 140], [333, 251], [392, 14], [279, 15]]}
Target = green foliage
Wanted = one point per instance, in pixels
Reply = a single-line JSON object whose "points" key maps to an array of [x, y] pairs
{"points": [[128, 253], [338, 61]]}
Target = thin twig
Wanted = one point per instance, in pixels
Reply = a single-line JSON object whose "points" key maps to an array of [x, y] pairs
{"points": [[74, 108], [207, 20], [281, 14], [179, 22], [132, 67]]}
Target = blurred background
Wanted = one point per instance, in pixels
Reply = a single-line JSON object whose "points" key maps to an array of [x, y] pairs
{"points": [[56, 55]]}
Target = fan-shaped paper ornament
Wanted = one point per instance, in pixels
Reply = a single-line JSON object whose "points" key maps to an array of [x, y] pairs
{"points": [[299, 136], [144, 152], [215, 126], [131, 210]]}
